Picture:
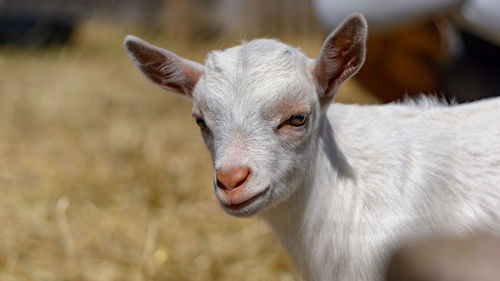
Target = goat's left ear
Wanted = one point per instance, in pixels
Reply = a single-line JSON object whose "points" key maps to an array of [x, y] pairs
{"points": [[163, 67], [341, 57]]}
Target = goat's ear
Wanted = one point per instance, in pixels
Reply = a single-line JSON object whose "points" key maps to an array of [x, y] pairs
{"points": [[342, 55], [163, 67]]}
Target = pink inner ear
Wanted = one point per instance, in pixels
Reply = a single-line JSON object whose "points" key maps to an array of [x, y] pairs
{"points": [[163, 67], [341, 57], [349, 60], [192, 73]]}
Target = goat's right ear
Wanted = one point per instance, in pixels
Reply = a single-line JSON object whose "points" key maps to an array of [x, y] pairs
{"points": [[163, 67], [342, 55]]}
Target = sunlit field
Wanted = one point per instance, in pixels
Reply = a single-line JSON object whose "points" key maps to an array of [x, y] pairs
{"points": [[104, 176]]}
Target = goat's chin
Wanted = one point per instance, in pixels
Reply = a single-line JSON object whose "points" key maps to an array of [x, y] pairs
{"points": [[248, 207]]}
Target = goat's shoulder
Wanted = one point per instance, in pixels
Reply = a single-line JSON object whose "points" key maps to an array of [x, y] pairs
{"points": [[423, 124]]}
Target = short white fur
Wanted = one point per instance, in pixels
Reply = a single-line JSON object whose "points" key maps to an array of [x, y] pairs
{"points": [[355, 181]]}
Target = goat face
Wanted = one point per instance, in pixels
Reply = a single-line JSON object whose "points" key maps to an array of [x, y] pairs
{"points": [[257, 110], [258, 106]]}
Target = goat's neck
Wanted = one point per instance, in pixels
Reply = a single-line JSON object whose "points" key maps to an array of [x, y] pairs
{"points": [[307, 222]]}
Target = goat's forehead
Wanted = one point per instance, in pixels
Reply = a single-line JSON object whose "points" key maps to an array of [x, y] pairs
{"points": [[257, 73], [254, 60]]}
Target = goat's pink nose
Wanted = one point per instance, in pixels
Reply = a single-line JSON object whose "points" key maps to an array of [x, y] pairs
{"points": [[232, 177]]}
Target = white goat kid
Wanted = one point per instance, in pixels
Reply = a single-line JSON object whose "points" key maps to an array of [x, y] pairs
{"points": [[341, 185]]}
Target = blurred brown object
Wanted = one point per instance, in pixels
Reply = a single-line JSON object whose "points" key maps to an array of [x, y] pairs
{"points": [[403, 62], [475, 258]]}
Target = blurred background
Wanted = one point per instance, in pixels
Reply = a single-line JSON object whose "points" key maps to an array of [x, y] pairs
{"points": [[104, 176]]}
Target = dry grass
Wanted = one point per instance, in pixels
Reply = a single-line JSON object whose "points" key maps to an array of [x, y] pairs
{"points": [[104, 176]]}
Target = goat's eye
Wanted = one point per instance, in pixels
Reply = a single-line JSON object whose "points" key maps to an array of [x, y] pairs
{"points": [[297, 120], [201, 124]]}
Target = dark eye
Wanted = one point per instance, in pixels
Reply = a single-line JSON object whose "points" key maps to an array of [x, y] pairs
{"points": [[297, 120], [201, 124]]}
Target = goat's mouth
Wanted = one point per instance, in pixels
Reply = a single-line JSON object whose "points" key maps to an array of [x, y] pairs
{"points": [[241, 208]]}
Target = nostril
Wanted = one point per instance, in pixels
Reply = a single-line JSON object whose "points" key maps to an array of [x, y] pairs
{"points": [[220, 185], [233, 177], [242, 181]]}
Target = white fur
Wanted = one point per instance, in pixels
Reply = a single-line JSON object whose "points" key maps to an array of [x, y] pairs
{"points": [[385, 174], [356, 181]]}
